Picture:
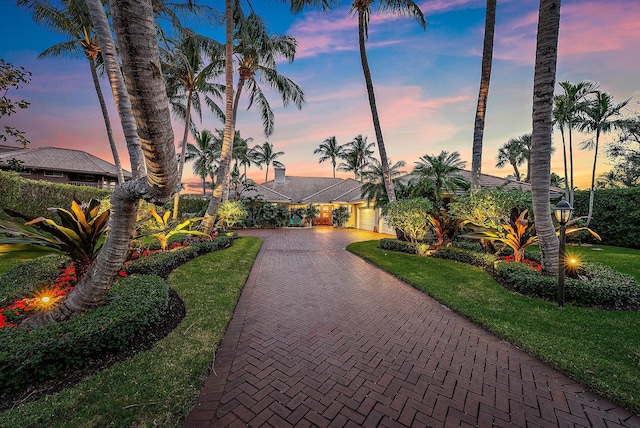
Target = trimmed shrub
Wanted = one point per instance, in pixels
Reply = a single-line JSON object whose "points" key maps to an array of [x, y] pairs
{"points": [[39, 353], [392, 244], [22, 280], [466, 256], [32, 198]]}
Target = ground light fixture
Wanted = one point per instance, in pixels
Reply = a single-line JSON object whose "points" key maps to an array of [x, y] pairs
{"points": [[562, 212]]}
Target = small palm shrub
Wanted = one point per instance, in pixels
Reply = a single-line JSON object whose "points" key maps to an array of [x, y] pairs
{"points": [[340, 216]]}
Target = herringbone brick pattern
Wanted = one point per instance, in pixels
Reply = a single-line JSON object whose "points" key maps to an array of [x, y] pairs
{"points": [[322, 338]]}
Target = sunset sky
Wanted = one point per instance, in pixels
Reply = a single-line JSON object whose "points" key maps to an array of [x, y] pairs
{"points": [[426, 82]]}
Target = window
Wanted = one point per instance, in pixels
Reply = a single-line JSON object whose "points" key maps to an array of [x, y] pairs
{"points": [[53, 174], [83, 177]]}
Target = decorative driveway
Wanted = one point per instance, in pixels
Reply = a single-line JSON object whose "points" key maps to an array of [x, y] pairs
{"points": [[322, 338]]}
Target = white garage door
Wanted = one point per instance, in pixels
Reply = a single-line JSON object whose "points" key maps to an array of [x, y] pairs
{"points": [[366, 218]]}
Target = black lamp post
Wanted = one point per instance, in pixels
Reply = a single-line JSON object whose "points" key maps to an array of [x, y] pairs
{"points": [[562, 212]]}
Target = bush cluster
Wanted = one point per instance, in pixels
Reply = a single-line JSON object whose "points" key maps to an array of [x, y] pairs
{"points": [[36, 354], [462, 255], [164, 262], [32, 198], [22, 280], [393, 244]]}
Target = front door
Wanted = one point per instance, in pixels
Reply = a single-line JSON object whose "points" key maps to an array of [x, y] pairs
{"points": [[325, 215]]}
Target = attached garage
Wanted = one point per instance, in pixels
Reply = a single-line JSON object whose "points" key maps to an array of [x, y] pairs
{"points": [[366, 218]]}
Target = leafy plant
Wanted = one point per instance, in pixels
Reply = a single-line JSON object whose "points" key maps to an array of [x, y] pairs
{"points": [[231, 213], [162, 227], [340, 216], [311, 212], [410, 217], [78, 235], [444, 226]]}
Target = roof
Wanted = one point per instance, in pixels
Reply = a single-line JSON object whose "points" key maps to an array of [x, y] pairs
{"points": [[311, 189], [59, 159]]}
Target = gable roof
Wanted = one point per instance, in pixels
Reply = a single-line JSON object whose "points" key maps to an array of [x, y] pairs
{"points": [[59, 159], [310, 189]]}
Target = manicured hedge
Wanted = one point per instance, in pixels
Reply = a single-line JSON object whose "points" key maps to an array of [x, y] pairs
{"points": [[30, 355], [22, 280], [393, 244], [465, 256], [616, 215], [32, 198]]}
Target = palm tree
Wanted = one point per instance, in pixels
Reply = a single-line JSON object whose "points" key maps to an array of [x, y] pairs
{"points": [[443, 170], [357, 155], [329, 149], [188, 77], [485, 77], [141, 66], [363, 10], [265, 155], [543, 85], [598, 118], [373, 188], [73, 21], [202, 154], [566, 113], [514, 152]]}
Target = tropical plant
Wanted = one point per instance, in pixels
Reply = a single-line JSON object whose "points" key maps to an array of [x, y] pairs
{"points": [[340, 216], [310, 213], [357, 155], [12, 78], [265, 155], [78, 234], [444, 226], [514, 152], [231, 213], [483, 94], [443, 170], [567, 108], [203, 154], [600, 118], [363, 10], [410, 216], [163, 227], [373, 188], [540, 158], [329, 149], [188, 67]]}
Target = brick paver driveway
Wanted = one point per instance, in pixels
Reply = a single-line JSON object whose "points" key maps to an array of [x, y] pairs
{"points": [[322, 338]]}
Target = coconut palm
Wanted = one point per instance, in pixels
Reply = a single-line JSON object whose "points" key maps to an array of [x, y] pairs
{"points": [[566, 114], [188, 68], [485, 77], [600, 118], [329, 149], [363, 10], [514, 152], [444, 171], [265, 155], [373, 188], [141, 66], [357, 155], [202, 153], [543, 85], [73, 21]]}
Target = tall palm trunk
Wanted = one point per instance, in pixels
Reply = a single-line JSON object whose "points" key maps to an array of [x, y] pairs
{"points": [[571, 188], [208, 223], [135, 27], [543, 87], [485, 77], [564, 157], [593, 177], [388, 183], [107, 121], [185, 135]]}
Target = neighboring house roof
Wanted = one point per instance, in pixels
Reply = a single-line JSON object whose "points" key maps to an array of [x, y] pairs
{"points": [[58, 159]]}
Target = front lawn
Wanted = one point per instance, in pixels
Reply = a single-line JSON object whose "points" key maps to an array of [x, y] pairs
{"points": [[157, 387], [598, 348]]}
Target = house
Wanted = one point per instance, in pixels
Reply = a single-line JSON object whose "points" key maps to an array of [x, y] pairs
{"points": [[59, 165], [328, 193]]}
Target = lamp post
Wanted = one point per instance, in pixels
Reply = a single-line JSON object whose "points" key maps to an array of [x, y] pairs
{"points": [[562, 212]]}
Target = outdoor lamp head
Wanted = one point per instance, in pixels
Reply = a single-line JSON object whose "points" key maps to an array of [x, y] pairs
{"points": [[563, 211]]}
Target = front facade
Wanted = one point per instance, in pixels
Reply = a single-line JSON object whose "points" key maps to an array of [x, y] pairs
{"points": [[57, 165]]}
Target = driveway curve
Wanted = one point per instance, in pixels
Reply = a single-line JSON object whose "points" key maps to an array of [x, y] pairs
{"points": [[322, 338]]}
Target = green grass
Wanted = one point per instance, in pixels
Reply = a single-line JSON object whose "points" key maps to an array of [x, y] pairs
{"points": [[598, 348], [158, 387]]}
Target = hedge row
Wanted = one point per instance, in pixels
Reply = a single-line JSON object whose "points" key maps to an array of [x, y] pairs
{"points": [[32, 198], [616, 215], [393, 244], [601, 286], [36, 354], [22, 280]]}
